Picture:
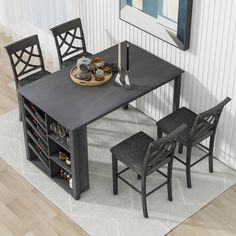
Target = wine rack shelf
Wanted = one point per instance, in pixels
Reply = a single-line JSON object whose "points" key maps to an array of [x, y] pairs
{"points": [[36, 117], [40, 156]]}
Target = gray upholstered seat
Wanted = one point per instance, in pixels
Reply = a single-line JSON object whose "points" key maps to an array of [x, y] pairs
{"points": [[175, 119], [132, 150]]}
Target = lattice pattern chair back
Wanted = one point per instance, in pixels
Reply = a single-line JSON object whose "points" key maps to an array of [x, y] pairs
{"points": [[25, 57], [158, 151], [69, 38], [207, 121]]}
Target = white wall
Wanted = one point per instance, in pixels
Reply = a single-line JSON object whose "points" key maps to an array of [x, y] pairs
{"points": [[29, 17], [210, 63]]}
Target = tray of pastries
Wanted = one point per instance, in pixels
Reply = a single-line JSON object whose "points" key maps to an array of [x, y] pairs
{"points": [[89, 72]]}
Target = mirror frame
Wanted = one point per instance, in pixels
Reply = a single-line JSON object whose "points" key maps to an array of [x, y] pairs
{"points": [[182, 38]]}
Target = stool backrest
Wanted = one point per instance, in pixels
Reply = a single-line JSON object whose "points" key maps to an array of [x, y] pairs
{"points": [[69, 39], [160, 150], [25, 56], [207, 121]]}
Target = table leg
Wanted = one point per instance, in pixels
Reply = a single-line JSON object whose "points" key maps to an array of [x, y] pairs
{"points": [[23, 116], [79, 161], [177, 89], [20, 106]]}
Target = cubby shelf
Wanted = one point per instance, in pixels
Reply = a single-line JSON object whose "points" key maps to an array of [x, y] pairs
{"points": [[62, 164], [63, 145]]}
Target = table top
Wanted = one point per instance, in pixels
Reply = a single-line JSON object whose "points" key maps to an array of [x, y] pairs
{"points": [[74, 106]]}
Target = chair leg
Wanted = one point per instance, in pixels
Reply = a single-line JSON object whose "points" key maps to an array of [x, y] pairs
{"points": [[143, 193], [211, 147], [139, 176], [159, 132], [188, 166], [180, 148], [20, 106], [169, 180], [114, 175], [126, 107]]}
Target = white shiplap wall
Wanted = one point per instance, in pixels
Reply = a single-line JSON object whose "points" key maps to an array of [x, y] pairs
{"points": [[210, 63]]}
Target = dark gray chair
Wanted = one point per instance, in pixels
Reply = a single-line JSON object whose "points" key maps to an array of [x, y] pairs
{"points": [[27, 63], [70, 42], [144, 155], [199, 127]]}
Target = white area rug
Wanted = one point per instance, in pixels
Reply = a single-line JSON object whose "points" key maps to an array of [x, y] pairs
{"points": [[101, 213]]}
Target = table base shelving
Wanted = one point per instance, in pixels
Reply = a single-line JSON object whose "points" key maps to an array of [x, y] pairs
{"points": [[42, 148]]}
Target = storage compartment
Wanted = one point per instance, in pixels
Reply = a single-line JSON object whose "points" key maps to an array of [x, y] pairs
{"points": [[61, 176], [65, 164], [58, 133], [48, 145]]}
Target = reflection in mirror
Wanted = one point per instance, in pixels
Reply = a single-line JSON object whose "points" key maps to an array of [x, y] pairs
{"points": [[168, 20]]}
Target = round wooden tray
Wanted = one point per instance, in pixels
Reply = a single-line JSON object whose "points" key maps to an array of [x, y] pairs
{"points": [[92, 82]]}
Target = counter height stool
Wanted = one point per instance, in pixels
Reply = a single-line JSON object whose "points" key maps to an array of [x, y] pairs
{"points": [[70, 42], [199, 127], [27, 63], [144, 155]]}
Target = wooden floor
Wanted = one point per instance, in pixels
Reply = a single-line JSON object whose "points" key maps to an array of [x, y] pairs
{"points": [[216, 219], [24, 211], [7, 87]]}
